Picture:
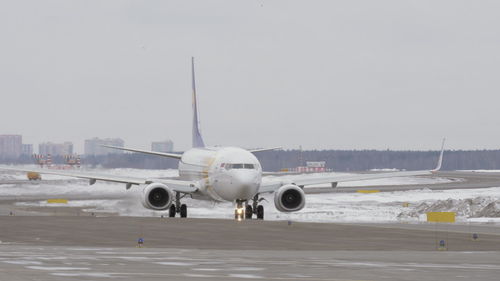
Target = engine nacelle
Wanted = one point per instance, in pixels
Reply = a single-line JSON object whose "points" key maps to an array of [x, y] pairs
{"points": [[157, 196], [289, 198]]}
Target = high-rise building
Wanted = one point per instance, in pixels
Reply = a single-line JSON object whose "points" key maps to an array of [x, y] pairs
{"points": [[95, 146], [162, 146], [27, 149], [11, 146], [65, 148]]}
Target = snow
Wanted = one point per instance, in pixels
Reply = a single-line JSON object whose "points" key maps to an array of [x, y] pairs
{"points": [[332, 207], [57, 268], [481, 171], [245, 276]]}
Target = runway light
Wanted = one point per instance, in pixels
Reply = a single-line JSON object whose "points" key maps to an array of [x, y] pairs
{"points": [[442, 245]]}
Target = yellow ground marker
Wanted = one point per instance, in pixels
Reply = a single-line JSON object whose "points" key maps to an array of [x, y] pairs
{"points": [[367, 190], [441, 217], [57, 201]]}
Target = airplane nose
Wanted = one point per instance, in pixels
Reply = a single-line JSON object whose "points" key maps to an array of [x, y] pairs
{"points": [[244, 185], [247, 184]]}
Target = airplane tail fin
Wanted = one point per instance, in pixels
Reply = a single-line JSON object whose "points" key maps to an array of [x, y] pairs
{"points": [[197, 139]]}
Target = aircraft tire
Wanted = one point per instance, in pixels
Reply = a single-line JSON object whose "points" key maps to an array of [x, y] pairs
{"points": [[171, 211], [184, 211], [248, 212], [260, 212]]}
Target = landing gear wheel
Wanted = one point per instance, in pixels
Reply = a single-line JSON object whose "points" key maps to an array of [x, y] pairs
{"points": [[238, 214], [171, 211], [184, 211], [260, 212], [248, 212]]}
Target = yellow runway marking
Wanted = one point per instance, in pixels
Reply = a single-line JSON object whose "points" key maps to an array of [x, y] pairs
{"points": [[367, 190], [57, 201]]}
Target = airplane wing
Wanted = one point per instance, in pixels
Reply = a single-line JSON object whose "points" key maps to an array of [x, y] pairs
{"points": [[164, 154], [307, 179], [272, 184], [176, 185]]}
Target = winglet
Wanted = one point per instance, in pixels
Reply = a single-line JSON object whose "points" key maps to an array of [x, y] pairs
{"points": [[197, 139], [440, 161]]}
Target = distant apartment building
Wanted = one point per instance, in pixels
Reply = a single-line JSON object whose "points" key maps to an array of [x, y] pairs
{"points": [[95, 146], [11, 146], [46, 148], [162, 146], [27, 149]]}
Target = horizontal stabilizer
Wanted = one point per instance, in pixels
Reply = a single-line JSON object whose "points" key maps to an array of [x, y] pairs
{"points": [[264, 149], [164, 154]]}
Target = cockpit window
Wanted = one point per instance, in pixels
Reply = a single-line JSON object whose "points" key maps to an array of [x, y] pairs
{"points": [[238, 166]]}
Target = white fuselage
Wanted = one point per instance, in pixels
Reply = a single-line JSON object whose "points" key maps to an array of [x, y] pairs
{"points": [[224, 173]]}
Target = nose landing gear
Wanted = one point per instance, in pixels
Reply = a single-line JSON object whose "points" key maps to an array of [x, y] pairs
{"points": [[248, 211], [239, 213], [178, 207]]}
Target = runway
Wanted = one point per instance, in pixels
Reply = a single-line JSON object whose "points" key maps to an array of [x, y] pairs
{"points": [[96, 248], [76, 263]]}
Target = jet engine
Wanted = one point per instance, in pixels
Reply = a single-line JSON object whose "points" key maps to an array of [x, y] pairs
{"points": [[157, 196], [289, 198]]}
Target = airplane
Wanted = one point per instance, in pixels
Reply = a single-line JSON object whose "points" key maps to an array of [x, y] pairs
{"points": [[223, 174]]}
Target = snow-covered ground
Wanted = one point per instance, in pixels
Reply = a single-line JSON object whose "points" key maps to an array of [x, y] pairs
{"points": [[481, 171], [333, 207]]}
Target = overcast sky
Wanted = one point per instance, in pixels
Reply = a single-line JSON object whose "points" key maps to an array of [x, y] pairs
{"points": [[321, 74]]}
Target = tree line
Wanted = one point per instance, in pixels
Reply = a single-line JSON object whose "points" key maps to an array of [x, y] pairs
{"points": [[337, 160]]}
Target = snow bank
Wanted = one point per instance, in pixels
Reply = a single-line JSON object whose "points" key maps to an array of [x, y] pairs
{"points": [[477, 207]]}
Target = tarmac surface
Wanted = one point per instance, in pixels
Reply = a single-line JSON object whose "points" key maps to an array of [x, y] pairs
{"points": [[76, 263], [75, 245], [97, 248]]}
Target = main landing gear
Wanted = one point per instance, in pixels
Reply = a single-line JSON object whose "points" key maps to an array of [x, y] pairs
{"points": [[178, 208], [249, 210]]}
